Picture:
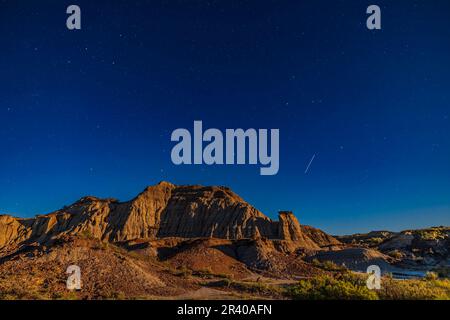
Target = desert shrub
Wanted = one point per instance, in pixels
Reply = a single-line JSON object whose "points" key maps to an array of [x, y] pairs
{"points": [[375, 241], [352, 286], [115, 295], [431, 234], [421, 289], [17, 292], [328, 265], [182, 271], [225, 283], [316, 263], [431, 276], [208, 273], [331, 288], [67, 295], [396, 254]]}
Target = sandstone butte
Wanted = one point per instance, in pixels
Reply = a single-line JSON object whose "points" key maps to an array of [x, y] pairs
{"points": [[161, 211]]}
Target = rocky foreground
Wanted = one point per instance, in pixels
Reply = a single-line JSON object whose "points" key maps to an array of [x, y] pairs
{"points": [[184, 242]]}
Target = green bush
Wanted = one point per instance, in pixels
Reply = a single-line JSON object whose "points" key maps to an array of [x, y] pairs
{"points": [[432, 234], [328, 265], [331, 288], [396, 254], [350, 286], [431, 276], [421, 289]]}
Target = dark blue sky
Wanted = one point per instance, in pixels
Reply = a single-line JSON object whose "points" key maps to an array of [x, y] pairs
{"points": [[91, 111]]}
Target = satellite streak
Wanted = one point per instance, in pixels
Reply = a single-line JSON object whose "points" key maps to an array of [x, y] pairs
{"points": [[309, 164]]}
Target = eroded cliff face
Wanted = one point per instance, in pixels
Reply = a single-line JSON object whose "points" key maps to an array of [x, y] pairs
{"points": [[211, 212], [289, 229], [13, 231], [160, 211]]}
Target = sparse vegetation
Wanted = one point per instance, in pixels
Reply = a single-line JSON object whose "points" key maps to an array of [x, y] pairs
{"points": [[331, 288], [431, 276], [181, 272], [421, 289], [87, 234], [435, 233], [208, 273], [373, 242], [116, 295], [396, 254], [349, 286], [328, 265]]}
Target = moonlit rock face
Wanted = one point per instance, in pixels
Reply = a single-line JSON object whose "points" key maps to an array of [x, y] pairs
{"points": [[160, 211]]}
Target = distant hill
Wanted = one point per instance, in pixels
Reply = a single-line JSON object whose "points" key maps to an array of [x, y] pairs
{"points": [[411, 248]]}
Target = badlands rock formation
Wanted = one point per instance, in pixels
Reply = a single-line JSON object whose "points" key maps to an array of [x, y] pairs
{"points": [[160, 211], [176, 241]]}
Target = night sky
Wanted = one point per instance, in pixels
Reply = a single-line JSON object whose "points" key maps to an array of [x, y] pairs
{"points": [[90, 112]]}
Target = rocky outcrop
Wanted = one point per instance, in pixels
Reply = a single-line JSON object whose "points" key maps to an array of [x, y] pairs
{"points": [[160, 211], [400, 241], [423, 248], [215, 212], [322, 239], [289, 229], [13, 230]]}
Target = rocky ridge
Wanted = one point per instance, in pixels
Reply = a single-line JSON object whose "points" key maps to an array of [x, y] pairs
{"points": [[160, 211]]}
